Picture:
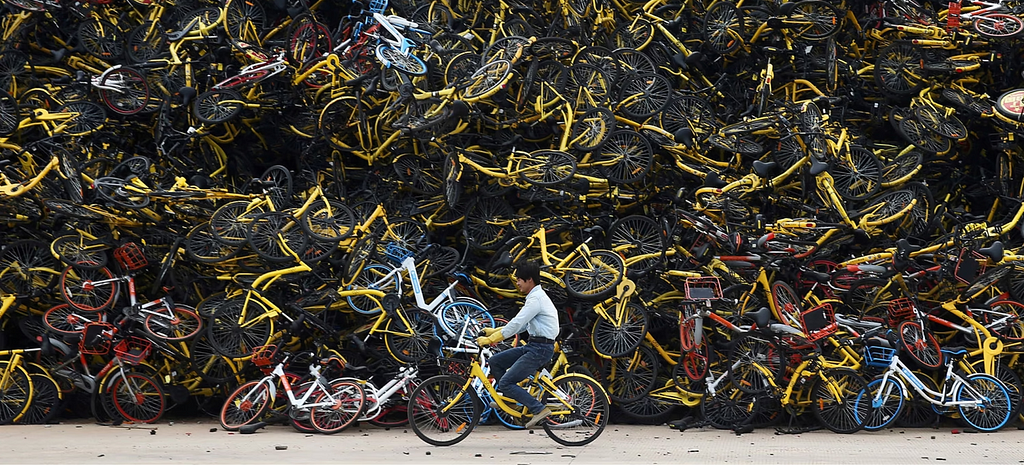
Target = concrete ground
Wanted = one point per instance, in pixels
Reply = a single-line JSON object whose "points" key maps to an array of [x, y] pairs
{"points": [[192, 441]]}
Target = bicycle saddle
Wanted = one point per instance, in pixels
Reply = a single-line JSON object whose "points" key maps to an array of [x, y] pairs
{"points": [[764, 169], [713, 180], [818, 166], [816, 276], [760, 316], [954, 352], [995, 252]]}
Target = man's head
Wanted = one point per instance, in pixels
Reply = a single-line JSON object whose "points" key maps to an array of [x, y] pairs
{"points": [[527, 275]]}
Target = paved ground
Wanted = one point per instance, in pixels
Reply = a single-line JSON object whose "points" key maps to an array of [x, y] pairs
{"points": [[193, 442]]}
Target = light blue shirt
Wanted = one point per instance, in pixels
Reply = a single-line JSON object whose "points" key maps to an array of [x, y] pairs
{"points": [[539, 316]]}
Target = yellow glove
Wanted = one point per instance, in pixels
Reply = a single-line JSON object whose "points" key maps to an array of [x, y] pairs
{"points": [[494, 336]]}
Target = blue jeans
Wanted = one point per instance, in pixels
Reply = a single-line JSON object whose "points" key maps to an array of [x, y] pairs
{"points": [[516, 364]]}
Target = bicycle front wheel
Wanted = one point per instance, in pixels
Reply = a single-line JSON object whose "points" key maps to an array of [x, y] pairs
{"points": [[237, 340], [618, 339], [441, 412], [245, 405], [137, 398], [125, 91], [994, 409], [181, 324], [594, 277], [579, 410], [78, 288], [347, 402], [15, 394], [919, 342], [409, 343], [889, 405], [834, 401]]}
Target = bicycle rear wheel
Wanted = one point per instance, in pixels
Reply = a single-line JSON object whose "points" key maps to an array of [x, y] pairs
{"points": [[579, 410], [138, 398], [410, 343], [919, 343], [612, 339], [594, 277], [245, 405], [348, 400], [183, 324], [998, 25], [130, 93], [546, 167], [15, 394], [441, 412], [631, 377], [217, 106], [834, 400], [235, 339], [994, 411], [328, 220]]}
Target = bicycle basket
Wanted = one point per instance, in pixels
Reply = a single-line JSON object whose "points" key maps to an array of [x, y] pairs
{"points": [[378, 6], [396, 253], [899, 310], [703, 288], [132, 350], [263, 357], [878, 356], [96, 338], [130, 256], [819, 322]]}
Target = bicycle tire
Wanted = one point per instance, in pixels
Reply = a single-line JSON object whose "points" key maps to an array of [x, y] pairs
{"points": [[146, 42], [481, 234], [328, 220], [723, 27], [787, 304], [996, 409], [644, 95], [728, 407], [592, 129], [91, 117], [588, 411], [632, 154], [632, 34], [15, 395], [244, 20], [546, 167], [10, 114], [36, 267], [889, 407], [247, 404], [690, 112], [135, 94], [414, 348], [595, 277], [510, 48], [368, 275], [217, 106], [62, 319], [112, 190], [237, 340], [101, 39], [91, 298], [185, 325], [451, 172], [486, 81], [407, 63], [229, 223], [343, 123], [1009, 327], [628, 379], [349, 401], [46, 401], [998, 25], [839, 411], [274, 235], [587, 86], [309, 40], [454, 315], [815, 20], [137, 398], [611, 340], [946, 126], [749, 355], [428, 417], [857, 176], [202, 245], [894, 69], [920, 344], [633, 236]]}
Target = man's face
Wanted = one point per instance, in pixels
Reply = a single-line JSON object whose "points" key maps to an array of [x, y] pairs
{"points": [[524, 286]]}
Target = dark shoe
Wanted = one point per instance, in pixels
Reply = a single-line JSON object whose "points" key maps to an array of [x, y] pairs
{"points": [[538, 417]]}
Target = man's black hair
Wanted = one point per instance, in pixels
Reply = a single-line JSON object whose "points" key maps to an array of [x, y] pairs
{"points": [[528, 269]]}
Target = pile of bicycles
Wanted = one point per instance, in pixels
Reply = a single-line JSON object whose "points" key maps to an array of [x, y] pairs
{"points": [[766, 213]]}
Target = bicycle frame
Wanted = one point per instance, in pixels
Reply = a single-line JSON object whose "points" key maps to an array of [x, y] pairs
{"points": [[904, 375]]}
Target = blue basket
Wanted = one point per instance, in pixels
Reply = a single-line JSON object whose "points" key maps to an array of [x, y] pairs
{"points": [[378, 6], [396, 253], [878, 356]]}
